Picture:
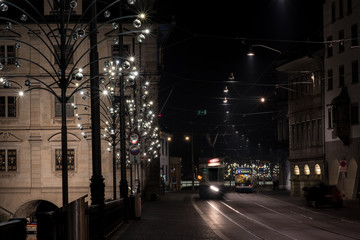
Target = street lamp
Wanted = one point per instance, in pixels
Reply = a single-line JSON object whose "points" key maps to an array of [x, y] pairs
{"points": [[188, 139], [252, 53]]}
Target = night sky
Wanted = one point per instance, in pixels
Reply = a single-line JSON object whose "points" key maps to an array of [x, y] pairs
{"points": [[209, 41]]}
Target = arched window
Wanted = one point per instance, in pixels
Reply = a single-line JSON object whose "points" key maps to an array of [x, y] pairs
{"points": [[317, 169], [296, 170], [307, 169]]}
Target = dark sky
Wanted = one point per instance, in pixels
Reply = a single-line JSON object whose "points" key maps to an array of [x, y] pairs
{"points": [[206, 45]]}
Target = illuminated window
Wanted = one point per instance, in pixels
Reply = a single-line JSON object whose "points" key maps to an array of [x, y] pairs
{"points": [[307, 170], [296, 170], [70, 156], [317, 169], [8, 159]]}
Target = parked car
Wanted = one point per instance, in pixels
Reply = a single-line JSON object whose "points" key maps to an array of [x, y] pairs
{"points": [[323, 194]]}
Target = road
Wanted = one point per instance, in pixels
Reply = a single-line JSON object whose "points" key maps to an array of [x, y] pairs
{"points": [[237, 216], [257, 216]]}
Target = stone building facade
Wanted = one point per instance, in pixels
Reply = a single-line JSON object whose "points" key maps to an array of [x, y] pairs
{"points": [[342, 98], [306, 154]]}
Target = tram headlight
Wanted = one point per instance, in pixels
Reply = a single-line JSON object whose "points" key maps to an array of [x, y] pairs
{"points": [[215, 189]]}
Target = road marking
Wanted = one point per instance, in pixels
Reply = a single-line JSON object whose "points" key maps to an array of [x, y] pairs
{"points": [[227, 217], [208, 221], [255, 221]]}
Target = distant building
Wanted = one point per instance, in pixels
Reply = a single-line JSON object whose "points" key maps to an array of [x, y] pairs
{"points": [[165, 139], [342, 98]]}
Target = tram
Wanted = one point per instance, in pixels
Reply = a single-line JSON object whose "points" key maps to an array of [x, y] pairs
{"points": [[211, 179], [244, 180]]}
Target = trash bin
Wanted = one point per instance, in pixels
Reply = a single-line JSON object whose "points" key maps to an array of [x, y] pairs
{"points": [[138, 205]]}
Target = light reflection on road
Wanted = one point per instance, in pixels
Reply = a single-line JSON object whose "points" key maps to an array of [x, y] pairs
{"points": [[31, 237]]}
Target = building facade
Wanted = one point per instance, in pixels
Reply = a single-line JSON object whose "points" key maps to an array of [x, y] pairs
{"points": [[341, 65], [306, 155], [30, 139]]}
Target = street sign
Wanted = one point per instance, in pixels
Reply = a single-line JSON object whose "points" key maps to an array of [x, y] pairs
{"points": [[134, 137], [134, 150], [343, 167], [134, 154], [201, 112]]}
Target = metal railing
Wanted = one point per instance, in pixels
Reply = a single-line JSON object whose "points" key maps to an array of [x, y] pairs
{"points": [[14, 229]]}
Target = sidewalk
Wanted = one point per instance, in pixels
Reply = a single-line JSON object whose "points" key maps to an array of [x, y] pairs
{"points": [[172, 217]]}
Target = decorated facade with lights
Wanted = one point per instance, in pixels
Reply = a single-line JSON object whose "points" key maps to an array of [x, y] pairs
{"points": [[45, 77]]}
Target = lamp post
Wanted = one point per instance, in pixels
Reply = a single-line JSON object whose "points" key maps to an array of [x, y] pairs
{"points": [[191, 139], [252, 53]]}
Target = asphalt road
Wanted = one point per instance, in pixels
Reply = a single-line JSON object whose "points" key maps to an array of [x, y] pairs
{"points": [[182, 215]]}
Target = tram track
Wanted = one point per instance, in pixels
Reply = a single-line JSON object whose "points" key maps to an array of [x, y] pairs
{"points": [[234, 221], [307, 220]]}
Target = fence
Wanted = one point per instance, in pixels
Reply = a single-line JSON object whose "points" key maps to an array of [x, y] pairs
{"points": [[79, 221]]}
